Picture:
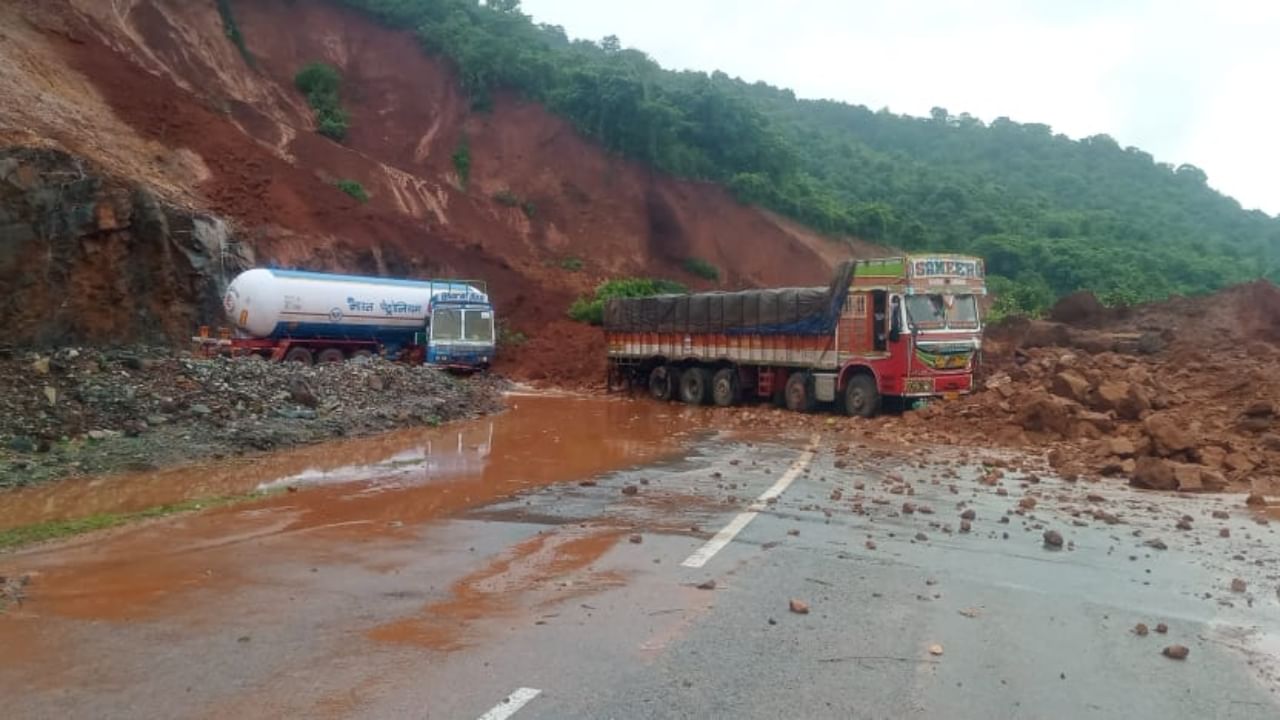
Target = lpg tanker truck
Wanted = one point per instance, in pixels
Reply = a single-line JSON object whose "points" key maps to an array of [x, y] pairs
{"points": [[309, 317]]}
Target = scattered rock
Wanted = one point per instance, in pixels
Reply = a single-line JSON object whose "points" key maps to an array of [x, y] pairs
{"points": [[1176, 652], [1238, 585], [636, 539], [708, 585], [1156, 543], [799, 607], [935, 649], [1052, 539], [1140, 630], [965, 526], [1255, 500], [969, 514], [630, 489], [1162, 628], [1168, 435]]}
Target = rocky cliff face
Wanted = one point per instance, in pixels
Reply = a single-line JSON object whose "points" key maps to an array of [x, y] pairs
{"points": [[89, 258]]}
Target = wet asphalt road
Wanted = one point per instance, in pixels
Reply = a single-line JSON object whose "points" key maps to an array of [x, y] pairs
{"points": [[545, 597]]}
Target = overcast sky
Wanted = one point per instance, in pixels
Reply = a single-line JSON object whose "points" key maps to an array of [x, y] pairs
{"points": [[1194, 81]]}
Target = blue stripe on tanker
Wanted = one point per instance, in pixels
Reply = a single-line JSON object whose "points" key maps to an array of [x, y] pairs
{"points": [[309, 330]]}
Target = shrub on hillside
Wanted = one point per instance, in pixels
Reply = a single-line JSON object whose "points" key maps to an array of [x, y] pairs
{"points": [[591, 309], [321, 84]]}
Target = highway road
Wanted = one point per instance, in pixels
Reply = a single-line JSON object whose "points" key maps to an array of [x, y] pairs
{"points": [[590, 558]]}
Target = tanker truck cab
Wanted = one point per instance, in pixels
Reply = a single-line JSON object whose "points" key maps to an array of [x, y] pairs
{"points": [[460, 330]]}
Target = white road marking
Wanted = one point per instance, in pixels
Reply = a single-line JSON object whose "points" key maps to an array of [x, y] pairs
{"points": [[735, 526], [511, 705]]}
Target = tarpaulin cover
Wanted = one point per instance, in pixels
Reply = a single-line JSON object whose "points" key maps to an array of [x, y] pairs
{"points": [[803, 311]]}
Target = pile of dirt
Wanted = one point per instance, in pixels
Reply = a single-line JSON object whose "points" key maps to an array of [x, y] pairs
{"points": [[81, 410], [1175, 395]]}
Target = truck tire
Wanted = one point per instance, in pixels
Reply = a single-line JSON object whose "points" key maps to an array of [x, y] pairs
{"points": [[695, 386], [330, 355], [299, 355], [362, 355], [861, 398], [662, 382], [724, 387], [799, 395]]}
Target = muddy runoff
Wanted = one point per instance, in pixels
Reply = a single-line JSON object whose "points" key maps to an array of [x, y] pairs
{"points": [[342, 492]]}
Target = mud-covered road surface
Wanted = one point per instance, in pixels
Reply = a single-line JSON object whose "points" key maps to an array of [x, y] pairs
{"points": [[593, 558]]}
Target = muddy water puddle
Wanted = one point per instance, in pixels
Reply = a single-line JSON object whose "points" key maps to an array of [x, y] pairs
{"points": [[538, 440], [357, 490]]}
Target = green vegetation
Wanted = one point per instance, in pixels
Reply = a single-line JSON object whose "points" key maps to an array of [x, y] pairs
{"points": [[233, 31], [354, 189], [321, 83], [508, 338], [55, 529], [591, 309], [462, 162], [506, 198], [1044, 210], [701, 268], [572, 264]]}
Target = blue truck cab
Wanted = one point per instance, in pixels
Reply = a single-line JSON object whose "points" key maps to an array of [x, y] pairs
{"points": [[460, 331]]}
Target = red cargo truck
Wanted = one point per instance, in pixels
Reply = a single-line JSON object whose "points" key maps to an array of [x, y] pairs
{"points": [[903, 327]]}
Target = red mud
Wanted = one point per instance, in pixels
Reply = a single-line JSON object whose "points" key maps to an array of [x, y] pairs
{"points": [[166, 69], [409, 478]]}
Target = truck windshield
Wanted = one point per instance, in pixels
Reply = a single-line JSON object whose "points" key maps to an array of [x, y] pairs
{"points": [[479, 326], [931, 312], [446, 324]]}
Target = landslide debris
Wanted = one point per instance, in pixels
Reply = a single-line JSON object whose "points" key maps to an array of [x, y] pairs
{"points": [[84, 411]]}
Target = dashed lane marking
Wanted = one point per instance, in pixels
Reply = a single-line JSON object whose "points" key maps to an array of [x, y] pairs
{"points": [[511, 705], [735, 526]]}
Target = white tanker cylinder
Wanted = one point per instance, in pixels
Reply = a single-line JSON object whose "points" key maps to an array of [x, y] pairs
{"points": [[264, 303]]}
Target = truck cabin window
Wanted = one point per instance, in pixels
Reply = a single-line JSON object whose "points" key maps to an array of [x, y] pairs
{"points": [[933, 312], [478, 326], [446, 324]]}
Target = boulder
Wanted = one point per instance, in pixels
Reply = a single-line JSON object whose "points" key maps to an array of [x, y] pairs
{"points": [[1212, 455], [1047, 413], [1154, 474], [1126, 400], [1260, 408], [1237, 462], [1168, 436], [1071, 385], [1121, 447], [1102, 422], [1270, 441]]}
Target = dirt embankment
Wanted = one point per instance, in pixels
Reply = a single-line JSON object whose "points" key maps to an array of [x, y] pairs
{"points": [[86, 411], [153, 93]]}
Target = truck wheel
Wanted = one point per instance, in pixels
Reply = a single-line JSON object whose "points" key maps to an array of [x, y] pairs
{"points": [[724, 387], [362, 355], [299, 355], [861, 398], [695, 386], [799, 398], [330, 355], [662, 382]]}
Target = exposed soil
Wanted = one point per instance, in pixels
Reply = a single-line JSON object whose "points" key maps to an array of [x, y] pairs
{"points": [[154, 94]]}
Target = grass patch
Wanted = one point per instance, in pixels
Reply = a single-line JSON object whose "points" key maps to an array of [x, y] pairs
{"points": [[57, 529], [590, 309], [701, 268], [322, 83], [572, 264], [462, 162], [354, 189], [506, 198]]}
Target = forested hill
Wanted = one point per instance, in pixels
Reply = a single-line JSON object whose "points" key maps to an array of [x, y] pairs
{"points": [[1050, 214]]}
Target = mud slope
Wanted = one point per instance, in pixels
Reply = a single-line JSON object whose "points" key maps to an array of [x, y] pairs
{"points": [[152, 92]]}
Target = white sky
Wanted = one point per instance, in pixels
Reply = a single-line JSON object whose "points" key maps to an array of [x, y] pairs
{"points": [[1194, 81]]}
